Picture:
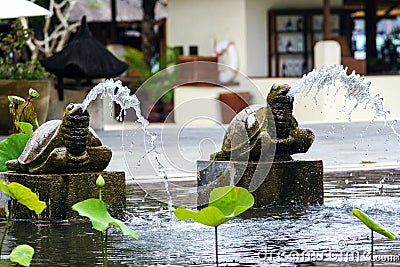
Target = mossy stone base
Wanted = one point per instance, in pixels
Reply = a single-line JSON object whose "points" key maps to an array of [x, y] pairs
{"points": [[61, 191], [282, 183]]}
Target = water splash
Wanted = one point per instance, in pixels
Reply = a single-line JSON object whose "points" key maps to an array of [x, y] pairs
{"points": [[353, 84], [120, 95]]}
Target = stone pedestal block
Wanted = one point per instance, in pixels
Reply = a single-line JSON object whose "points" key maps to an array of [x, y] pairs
{"points": [[61, 191], [283, 183]]}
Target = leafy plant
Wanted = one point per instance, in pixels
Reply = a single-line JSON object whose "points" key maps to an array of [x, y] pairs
{"points": [[23, 111], [11, 148], [11, 48], [25, 122], [134, 58], [225, 204], [374, 226], [96, 210], [160, 87], [390, 49], [23, 195], [22, 255]]}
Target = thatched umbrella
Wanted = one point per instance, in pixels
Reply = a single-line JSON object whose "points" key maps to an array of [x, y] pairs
{"points": [[83, 58]]}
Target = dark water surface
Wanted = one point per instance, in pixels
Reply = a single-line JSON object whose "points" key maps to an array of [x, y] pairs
{"points": [[300, 236]]}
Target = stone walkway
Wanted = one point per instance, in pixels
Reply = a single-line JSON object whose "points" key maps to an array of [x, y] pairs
{"points": [[341, 146]]}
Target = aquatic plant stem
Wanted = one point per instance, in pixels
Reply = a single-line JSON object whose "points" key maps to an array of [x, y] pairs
{"points": [[372, 247], [216, 244], [106, 244], [103, 238], [6, 226]]}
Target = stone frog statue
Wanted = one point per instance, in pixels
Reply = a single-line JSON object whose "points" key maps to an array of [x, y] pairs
{"points": [[63, 146], [261, 133]]}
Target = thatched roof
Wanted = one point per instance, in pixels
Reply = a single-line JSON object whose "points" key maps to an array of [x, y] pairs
{"points": [[100, 10], [84, 58]]}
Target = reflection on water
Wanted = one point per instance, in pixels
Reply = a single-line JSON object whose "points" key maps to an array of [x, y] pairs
{"points": [[297, 236]]}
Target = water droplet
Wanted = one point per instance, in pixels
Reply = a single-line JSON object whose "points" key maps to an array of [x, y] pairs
{"points": [[121, 94]]}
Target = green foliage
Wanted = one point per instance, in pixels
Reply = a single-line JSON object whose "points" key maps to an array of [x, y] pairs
{"points": [[373, 225], [24, 127], [16, 100], [33, 93], [11, 148], [390, 50], [23, 111], [96, 211], [159, 86], [225, 204], [11, 49], [30, 70], [23, 195], [134, 58], [22, 255]]}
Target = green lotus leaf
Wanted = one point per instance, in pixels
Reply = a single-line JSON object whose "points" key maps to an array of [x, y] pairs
{"points": [[96, 210], [225, 204], [23, 195], [33, 93], [11, 148], [16, 99], [22, 255], [26, 113], [373, 225], [210, 216], [24, 127]]}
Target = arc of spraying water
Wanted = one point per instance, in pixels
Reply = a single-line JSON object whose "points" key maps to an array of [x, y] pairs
{"points": [[120, 94], [353, 84]]}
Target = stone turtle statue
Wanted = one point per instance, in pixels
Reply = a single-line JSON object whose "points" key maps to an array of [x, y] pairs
{"points": [[260, 133], [63, 146]]}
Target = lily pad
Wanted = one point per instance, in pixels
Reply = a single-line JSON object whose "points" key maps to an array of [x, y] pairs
{"points": [[11, 148], [24, 127], [22, 255], [96, 210], [373, 225], [225, 204], [23, 195]]}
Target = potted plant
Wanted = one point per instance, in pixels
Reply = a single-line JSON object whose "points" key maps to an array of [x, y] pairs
{"points": [[153, 87], [17, 76]]}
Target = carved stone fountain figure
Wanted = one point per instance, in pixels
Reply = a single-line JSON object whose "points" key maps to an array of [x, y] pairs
{"points": [[63, 146], [257, 154], [61, 162], [258, 130]]}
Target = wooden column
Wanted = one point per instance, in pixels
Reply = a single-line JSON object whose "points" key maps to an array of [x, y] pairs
{"points": [[113, 30], [327, 20], [370, 28]]}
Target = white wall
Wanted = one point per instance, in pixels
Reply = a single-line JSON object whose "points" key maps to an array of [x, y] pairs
{"points": [[256, 29], [205, 22], [331, 107], [328, 106]]}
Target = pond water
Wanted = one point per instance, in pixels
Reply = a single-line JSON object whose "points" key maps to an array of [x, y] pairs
{"points": [[300, 236]]}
